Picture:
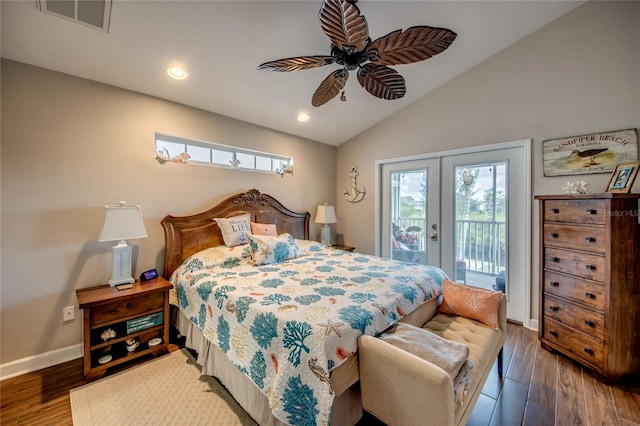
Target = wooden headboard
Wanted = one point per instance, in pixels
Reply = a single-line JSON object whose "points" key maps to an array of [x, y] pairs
{"points": [[187, 235]]}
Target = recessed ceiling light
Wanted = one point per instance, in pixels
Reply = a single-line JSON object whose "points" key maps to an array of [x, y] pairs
{"points": [[177, 73], [303, 116]]}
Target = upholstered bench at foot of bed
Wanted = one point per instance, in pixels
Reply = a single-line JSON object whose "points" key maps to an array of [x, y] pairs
{"points": [[400, 388]]}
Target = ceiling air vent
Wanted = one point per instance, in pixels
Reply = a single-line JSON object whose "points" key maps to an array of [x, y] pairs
{"points": [[93, 13]]}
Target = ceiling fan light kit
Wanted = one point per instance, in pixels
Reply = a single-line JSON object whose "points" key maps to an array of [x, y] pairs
{"points": [[352, 48]]}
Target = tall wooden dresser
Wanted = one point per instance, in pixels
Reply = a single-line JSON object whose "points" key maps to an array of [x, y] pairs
{"points": [[590, 281]]}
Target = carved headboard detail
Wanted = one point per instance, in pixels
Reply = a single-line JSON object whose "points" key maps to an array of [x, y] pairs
{"points": [[186, 235]]}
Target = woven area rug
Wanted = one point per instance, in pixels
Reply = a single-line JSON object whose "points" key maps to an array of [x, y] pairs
{"points": [[168, 390]]}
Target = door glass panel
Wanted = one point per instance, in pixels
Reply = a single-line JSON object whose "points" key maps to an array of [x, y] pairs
{"points": [[480, 242], [408, 215], [409, 211]]}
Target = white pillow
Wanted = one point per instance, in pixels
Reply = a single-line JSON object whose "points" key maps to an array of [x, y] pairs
{"points": [[235, 229]]}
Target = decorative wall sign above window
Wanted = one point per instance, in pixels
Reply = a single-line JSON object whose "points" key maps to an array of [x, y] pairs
{"points": [[181, 150]]}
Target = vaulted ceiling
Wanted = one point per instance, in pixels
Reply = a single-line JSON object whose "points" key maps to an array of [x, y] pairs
{"points": [[220, 44]]}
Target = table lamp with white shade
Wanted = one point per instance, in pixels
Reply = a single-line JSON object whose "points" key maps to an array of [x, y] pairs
{"points": [[325, 215], [122, 222]]}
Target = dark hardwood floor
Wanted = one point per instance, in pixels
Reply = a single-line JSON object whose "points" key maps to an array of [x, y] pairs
{"points": [[542, 388], [538, 388]]}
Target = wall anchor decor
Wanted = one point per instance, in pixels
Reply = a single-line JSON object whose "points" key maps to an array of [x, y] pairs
{"points": [[356, 194]]}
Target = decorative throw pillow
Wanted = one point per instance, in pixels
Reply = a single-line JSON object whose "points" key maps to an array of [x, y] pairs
{"points": [[235, 229], [477, 304], [309, 246], [219, 256], [264, 229], [266, 249]]}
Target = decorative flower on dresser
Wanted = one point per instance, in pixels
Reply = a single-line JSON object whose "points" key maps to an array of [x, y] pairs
{"points": [[579, 187]]}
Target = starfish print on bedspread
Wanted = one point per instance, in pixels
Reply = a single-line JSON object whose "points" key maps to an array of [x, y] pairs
{"points": [[331, 326]]}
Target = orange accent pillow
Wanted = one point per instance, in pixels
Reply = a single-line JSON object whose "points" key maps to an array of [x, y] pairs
{"points": [[264, 229], [476, 304]]}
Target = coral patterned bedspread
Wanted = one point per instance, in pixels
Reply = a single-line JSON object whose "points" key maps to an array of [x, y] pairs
{"points": [[286, 325]]}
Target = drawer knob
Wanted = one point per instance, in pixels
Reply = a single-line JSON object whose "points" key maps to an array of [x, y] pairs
{"points": [[129, 305], [590, 295], [554, 259], [554, 308], [591, 267], [554, 284], [591, 211], [553, 333], [590, 240], [554, 210], [553, 235], [589, 351], [590, 323]]}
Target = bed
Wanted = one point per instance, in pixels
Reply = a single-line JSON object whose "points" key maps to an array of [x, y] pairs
{"points": [[280, 330]]}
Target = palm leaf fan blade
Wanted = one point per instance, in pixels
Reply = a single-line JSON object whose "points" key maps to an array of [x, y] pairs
{"points": [[412, 45], [342, 22], [296, 64], [330, 87], [382, 82]]}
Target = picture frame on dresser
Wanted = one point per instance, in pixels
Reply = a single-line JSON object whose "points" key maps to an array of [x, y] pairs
{"points": [[622, 178]]}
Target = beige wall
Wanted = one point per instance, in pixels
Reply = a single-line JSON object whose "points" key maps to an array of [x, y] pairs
{"points": [[578, 75], [69, 146]]}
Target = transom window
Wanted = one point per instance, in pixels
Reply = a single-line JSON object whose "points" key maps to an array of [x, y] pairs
{"points": [[214, 154]]}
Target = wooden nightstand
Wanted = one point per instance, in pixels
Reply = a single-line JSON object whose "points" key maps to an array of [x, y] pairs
{"points": [[345, 248], [140, 313]]}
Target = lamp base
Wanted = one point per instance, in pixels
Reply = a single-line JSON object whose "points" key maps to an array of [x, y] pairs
{"points": [[121, 273], [325, 235], [113, 283]]}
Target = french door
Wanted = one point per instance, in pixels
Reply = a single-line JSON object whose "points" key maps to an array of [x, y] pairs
{"points": [[410, 213], [466, 211], [486, 199]]}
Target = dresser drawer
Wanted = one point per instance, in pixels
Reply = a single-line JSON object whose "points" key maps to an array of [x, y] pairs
{"points": [[581, 345], [583, 265], [588, 238], [125, 308], [584, 292], [575, 211], [574, 316]]}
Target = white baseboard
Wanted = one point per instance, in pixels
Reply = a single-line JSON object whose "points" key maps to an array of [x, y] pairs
{"points": [[533, 324], [37, 362]]}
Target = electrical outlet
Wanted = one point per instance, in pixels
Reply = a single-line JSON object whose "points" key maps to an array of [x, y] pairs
{"points": [[68, 313]]}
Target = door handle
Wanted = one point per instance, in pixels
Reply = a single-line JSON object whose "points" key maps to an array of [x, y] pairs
{"points": [[433, 236]]}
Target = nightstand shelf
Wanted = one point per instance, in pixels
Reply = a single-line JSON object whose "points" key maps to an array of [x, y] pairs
{"points": [[112, 316]]}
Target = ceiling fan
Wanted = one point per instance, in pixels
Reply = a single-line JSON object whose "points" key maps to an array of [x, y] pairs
{"points": [[352, 48]]}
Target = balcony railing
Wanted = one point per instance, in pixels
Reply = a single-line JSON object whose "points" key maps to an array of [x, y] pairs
{"points": [[481, 244]]}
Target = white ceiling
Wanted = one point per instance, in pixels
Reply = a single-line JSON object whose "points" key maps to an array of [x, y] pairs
{"points": [[221, 43]]}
